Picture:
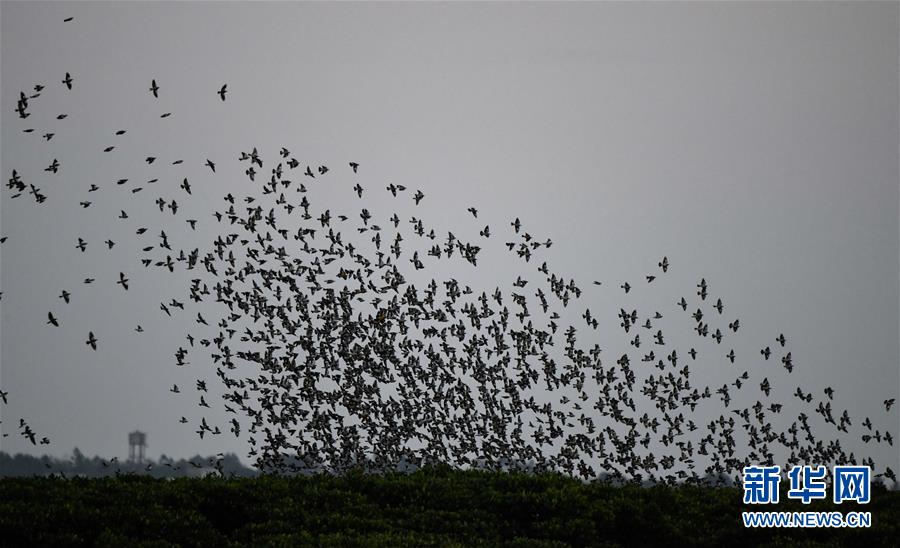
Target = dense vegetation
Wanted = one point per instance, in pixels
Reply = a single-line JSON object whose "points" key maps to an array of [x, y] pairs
{"points": [[429, 507]]}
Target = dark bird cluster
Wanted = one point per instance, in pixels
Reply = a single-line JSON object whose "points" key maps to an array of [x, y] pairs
{"points": [[355, 337]]}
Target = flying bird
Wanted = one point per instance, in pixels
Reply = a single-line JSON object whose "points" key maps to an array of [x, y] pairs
{"points": [[92, 341]]}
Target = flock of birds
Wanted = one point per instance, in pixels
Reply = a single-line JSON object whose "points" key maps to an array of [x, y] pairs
{"points": [[341, 339]]}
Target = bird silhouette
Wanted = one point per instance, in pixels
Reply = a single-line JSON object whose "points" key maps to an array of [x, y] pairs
{"points": [[664, 264], [92, 341]]}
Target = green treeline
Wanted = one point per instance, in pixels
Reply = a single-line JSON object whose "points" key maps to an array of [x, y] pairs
{"points": [[431, 507]]}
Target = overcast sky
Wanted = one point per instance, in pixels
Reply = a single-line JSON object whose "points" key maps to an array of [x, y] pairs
{"points": [[754, 144]]}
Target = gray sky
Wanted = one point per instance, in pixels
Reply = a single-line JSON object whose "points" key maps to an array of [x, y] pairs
{"points": [[754, 144]]}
